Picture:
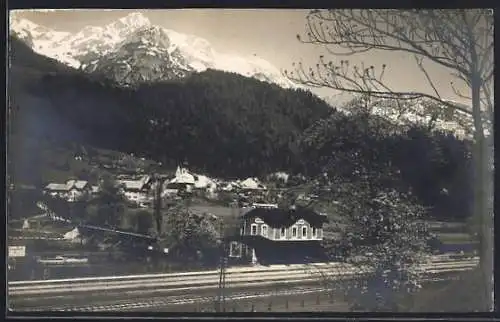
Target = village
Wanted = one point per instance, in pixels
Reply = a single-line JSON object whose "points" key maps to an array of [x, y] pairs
{"points": [[139, 188], [167, 160], [263, 233]]}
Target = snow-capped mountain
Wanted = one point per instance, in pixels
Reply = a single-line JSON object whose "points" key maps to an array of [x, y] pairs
{"points": [[132, 49], [407, 112]]}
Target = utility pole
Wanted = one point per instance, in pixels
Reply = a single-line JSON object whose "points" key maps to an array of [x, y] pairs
{"points": [[157, 202], [221, 301], [225, 232]]}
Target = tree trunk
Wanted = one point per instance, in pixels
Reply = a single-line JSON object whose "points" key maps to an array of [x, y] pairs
{"points": [[487, 223], [482, 197]]}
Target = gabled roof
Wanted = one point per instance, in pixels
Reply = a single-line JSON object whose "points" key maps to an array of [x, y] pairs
{"points": [[285, 218], [146, 179], [252, 183], [135, 184], [185, 178], [70, 184], [80, 184]]}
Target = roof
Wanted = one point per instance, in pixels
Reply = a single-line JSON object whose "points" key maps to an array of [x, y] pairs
{"points": [[57, 187], [70, 184], [251, 183], [132, 184], [80, 184], [183, 176], [146, 179], [281, 217]]}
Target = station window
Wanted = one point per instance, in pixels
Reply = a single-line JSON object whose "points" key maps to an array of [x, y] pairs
{"points": [[283, 232], [254, 229], [264, 230]]}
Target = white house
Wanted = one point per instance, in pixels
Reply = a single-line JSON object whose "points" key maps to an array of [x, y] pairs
{"points": [[71, 190], [206, 185], [137, 190], [252, 184], [183, 180], [277, 233]]}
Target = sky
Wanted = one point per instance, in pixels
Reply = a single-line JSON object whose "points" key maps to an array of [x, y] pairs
{"points": [[266, 33]]}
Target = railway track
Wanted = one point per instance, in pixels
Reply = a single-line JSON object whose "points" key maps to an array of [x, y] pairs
{"points": [[171, 290], [257, 276], [170, 302], [159, 302]]}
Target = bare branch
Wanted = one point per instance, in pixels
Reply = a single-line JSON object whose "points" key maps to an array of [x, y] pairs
{"points": [[446, 37], [422, 68], [335, 84], [458, 93]]}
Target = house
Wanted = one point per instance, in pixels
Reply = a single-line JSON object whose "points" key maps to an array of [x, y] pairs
{"points": [[137, 190], [205, 186], [252, 184], [71, 190], [231, 186], [272, 235], [183, 181]]}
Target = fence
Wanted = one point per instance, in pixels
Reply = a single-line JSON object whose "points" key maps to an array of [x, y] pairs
{"points": [[314, 302], [321, 302]]}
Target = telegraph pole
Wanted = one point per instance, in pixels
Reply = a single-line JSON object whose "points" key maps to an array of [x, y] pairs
{"points": [[225, 232], [157, 202], [221, 300]]}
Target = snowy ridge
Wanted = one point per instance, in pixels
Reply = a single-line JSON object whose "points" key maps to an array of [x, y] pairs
{"points": [[132, 44], [422, 111], [184, 52]]}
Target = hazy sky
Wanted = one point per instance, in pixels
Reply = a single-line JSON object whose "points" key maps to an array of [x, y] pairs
{"points": [[267, 33]]}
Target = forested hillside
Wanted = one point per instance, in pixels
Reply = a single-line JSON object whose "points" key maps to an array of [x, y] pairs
{"points": [[224, 125]]}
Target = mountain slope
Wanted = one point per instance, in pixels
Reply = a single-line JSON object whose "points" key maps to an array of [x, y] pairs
{"points": [[142, 57], [221, 123], [133, 43]]}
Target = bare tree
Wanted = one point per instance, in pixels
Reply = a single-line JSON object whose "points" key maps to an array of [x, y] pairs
{"points": [[459, 40]]}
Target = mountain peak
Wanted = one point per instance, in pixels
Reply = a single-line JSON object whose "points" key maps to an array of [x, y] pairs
{"points": [[133, 34], [133, 20]]}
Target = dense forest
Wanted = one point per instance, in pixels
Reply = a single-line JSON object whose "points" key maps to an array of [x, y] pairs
{"points": [[229, 126]]}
